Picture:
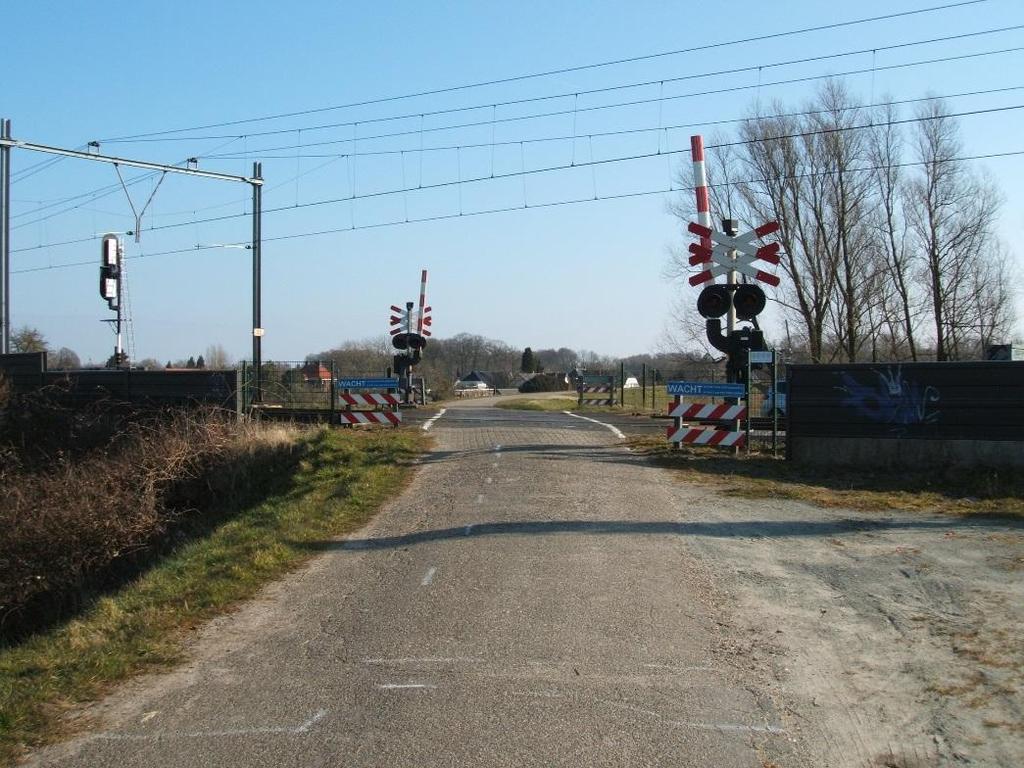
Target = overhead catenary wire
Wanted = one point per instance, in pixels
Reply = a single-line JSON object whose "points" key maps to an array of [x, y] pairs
{"points": [[516, 142], [94, 195], [575, 94], [524, 172], [532, 206], [107, 190], [260, 153], [562, 70], [629, 131]]}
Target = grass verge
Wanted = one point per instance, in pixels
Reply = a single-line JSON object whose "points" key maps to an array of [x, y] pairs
{"points": [[960, 492], [341, 480]]}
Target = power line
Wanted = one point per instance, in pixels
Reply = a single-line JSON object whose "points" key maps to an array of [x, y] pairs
{"points": [[526, 206], [565, 167], [635, 102], [621, 132], [591, 91], [559, 71], [104, 191]]}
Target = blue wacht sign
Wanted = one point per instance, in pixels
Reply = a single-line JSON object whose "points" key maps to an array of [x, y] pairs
{"points": [[705, 389], [367, 384]]}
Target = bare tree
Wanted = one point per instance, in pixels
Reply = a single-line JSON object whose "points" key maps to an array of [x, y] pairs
{"points": [[890, 229], [217, 357], [951, 211], [64, 358]]}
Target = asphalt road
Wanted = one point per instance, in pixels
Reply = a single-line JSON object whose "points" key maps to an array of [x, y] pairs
{"points": [[530, 600]]}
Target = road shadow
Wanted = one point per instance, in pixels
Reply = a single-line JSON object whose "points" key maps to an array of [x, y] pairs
{"points": [[721, 529], [556, 451]]}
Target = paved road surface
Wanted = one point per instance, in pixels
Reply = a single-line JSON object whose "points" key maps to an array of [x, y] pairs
{"points": [[528, 601]]}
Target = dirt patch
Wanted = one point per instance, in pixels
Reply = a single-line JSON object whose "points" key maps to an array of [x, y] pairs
{"points": [[890, 639]]}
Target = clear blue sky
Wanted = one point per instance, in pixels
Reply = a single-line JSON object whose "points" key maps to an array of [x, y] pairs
{"points": [[585, 276]]}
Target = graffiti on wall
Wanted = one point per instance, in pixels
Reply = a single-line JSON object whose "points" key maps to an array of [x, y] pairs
{"points": [[890, 399]]}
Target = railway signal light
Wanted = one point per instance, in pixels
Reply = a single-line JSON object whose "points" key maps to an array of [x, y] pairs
{"points": [[110, 270]]}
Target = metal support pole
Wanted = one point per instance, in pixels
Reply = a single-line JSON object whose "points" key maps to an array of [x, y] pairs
{"points": [[775, 402], [643, 386], [257, 288], [622, 385], [746, 400], [5, 234], [118, 346], [334, 390], [409, 352]]}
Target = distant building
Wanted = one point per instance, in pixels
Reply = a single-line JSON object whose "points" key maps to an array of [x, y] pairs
{"points": [[316, 376]]}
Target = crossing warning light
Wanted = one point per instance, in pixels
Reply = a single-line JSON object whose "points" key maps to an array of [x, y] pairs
{"points": [[713, 301], [749, 301]]}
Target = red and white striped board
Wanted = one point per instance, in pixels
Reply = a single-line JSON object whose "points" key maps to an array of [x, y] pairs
{"points": [[595, 401], [370, 398], [707, 411], [595, 388], [392, 418], [705, 436]]}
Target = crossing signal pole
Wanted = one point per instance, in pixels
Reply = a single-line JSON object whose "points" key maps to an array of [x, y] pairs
{"points": [[409, 332]]}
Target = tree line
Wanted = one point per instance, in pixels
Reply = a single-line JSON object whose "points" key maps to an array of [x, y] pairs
{"points": [[888, 234]]}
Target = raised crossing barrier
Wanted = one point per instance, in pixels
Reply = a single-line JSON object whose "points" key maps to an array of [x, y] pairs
{"points": [[383, 404]]}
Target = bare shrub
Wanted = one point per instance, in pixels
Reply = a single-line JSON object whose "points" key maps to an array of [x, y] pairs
{"points": [[83, 511]]}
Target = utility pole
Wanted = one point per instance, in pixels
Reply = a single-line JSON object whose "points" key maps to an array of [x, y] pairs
{"points": [[5, 234], [257, 282]]}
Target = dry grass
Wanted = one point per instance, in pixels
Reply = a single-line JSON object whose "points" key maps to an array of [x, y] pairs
{"points": [[962, 492]]}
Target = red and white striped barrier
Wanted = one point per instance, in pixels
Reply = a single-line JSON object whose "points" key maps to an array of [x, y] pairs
{"points": [[700, 186], [596, 401], [707, 411], [595, 388], [392, 418], [700, 436], [369, 399]]}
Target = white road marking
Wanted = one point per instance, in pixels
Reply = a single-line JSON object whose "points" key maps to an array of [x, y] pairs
{"points": [[403, 686], [615, 430], [429, 577], [148, 716], [678, 669], [317, 716], [720, 727], [430, 422], [425, 660]]}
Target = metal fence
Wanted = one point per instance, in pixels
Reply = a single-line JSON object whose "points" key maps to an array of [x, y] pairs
{"points": [[308, 386]]}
